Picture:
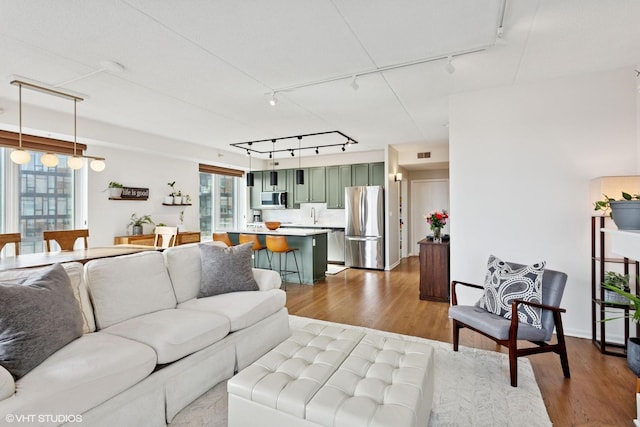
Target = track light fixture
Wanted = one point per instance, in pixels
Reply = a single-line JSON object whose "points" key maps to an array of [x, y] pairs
{"points": [[317, 151], [333, 138], [273, 101], [343, 148], [354, 83], [449, 66]]}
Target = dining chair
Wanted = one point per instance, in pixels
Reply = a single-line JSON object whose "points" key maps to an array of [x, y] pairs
{"points": [[169, 236], [14, 238], [66, 239], [222, 237]]}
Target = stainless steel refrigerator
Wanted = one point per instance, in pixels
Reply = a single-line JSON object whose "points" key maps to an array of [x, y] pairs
{"points": [[364, 231]]}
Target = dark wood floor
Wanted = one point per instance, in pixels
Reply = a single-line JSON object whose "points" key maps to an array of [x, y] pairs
{"points": [[601, 391]]}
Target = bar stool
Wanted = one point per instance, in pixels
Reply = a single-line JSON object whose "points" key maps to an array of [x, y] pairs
{"points": [[257, 247], [222, 237], [279, 245]]}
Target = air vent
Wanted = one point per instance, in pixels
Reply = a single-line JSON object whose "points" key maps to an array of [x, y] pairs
{"points": [[425, 155]]}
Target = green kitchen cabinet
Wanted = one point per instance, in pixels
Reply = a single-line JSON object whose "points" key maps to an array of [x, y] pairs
{"points": [[301, 192], [291, 184], [360, 174], [338, 177], [317, 185], [376, 174], [256, 202], [282, 181]]}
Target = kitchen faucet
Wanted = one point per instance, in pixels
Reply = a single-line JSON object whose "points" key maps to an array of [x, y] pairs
{"points": [[313, 215]]}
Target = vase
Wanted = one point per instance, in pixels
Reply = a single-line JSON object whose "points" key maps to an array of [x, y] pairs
{"points": [[437, 236], [137, 230]]}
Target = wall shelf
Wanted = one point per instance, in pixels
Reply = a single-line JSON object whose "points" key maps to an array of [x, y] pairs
{"points": [[125, 198], [183, 204]]}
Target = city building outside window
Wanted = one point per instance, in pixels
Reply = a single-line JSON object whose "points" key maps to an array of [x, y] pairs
{"points": [[218, 203]]}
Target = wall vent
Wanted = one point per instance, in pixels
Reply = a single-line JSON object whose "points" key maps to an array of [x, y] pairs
{"points": [[425, 155]]}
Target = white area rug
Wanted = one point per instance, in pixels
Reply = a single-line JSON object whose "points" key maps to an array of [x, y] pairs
{"points": [[335, 269], [471, 388]]}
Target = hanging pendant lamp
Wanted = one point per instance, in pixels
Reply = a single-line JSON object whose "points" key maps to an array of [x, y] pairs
{"points": [[273, 175], [249, 174], [299, 171], [20, 156]]}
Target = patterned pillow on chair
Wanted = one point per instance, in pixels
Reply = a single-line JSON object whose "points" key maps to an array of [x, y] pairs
{"points": [[503, 284]]}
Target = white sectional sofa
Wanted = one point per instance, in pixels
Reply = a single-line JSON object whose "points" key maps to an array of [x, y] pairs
{"points": [[150, 346]]}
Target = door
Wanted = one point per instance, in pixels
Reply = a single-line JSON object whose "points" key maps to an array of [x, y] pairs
{"points": [[426, 196]]}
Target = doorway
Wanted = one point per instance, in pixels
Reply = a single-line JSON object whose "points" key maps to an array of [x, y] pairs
{"points": [[426, 195]]}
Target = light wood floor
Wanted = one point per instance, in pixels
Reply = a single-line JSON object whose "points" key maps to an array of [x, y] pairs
{"points": [[600, 392]]}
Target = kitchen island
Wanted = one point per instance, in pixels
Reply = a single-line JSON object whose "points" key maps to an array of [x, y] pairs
{"points": [[311, 253]]}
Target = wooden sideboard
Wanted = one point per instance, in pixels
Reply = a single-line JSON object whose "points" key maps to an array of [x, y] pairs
{"points": [[434, 271], [148, 239]]}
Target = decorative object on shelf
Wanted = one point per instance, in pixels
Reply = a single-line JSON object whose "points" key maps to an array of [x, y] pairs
{"points": [[625, 212], [437, 220], [620, 281], [138, 222], [50, 158], [633, 344], [134, 193], [115, 190], [169, 199], [272, 225]]}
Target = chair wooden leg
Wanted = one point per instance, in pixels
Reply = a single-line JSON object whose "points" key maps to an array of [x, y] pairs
{"points": [[513, 366], [562, 348], [456, 334]]}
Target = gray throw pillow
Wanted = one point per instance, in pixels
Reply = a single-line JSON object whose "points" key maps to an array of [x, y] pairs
{"points": [[38, 316], [503, 284], [226, 269]]}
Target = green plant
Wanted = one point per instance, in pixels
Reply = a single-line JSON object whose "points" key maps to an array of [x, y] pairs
{"points": [[604, 205], [181, 217], [173, 190], [114, 184], [188, 198], [634, 299], [616, 279], [138, 221]]}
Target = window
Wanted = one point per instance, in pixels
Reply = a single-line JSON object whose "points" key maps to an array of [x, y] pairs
{"points": [[37, 198], [219, 200]]}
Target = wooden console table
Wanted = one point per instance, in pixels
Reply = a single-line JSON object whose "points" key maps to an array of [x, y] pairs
{"points": [[148, 239], [434, 270]]}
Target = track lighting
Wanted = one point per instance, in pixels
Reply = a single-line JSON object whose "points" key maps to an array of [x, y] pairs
{"points": [[450, 67], [273, 101], [343, 148], [317, 151], [339, 139], [354, 83], [292, 153], [270, 155]]}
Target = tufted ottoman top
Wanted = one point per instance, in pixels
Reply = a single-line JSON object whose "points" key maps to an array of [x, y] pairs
{"points": [[287, 377], [384, 382]]}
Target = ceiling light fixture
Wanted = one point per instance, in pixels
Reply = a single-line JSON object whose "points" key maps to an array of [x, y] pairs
{"points": [[250, 177], [300, 171], [333, 139], [273, 175], [343, 148], [273, 101], [354, 83], [20, 156], [50, 159], [317, 151], [449, 66]]}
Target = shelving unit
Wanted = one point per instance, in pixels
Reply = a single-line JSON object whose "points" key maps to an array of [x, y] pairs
{"points": [[599, 306], [173, 204]]}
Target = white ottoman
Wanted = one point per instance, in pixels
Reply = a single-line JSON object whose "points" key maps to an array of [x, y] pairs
{"points": [[335, 377]]}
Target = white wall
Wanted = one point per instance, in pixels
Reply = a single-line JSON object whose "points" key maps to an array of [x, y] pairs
{"points": [[521, 159], [392, 196]]}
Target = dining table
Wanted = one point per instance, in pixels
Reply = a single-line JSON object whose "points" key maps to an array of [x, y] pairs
{"points": [[41, 259]]}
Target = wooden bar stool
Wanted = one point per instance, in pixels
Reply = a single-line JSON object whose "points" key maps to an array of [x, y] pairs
{"points": [[279, 245], [66, 239], [257, 247], [14, 238], [222, 237]]}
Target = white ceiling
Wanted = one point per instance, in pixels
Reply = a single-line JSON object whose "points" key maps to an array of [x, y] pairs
{"points": [[203, 71]]}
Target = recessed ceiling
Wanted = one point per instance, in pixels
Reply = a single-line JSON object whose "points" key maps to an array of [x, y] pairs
{"points": [[202, 71]]}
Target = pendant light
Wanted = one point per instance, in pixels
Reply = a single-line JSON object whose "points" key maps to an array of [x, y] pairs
{"points": [[249, 174], [75, 162], [299, 171], [273, 175], [20, 156]]}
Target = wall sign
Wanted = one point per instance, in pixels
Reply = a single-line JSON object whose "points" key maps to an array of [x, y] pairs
{"points": [[133, 193]]}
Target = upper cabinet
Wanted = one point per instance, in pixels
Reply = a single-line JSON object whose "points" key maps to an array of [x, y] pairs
{"points": [[301, 191], [317, 192], [360, 174], [255, 191], [338, 177], [376, 174], [282, 181]]}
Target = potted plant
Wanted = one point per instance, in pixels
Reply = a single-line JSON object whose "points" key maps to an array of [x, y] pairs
{"points": [[633, 344], [138, 221], [619, 281], [624, 212], [177, 198], [169, 199], [115, 190]]}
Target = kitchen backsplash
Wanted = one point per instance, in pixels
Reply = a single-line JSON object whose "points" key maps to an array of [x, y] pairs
{"points": [[304, 215]]}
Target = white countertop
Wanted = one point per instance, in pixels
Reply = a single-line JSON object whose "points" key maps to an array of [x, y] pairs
{"points": [[282, 231]]}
